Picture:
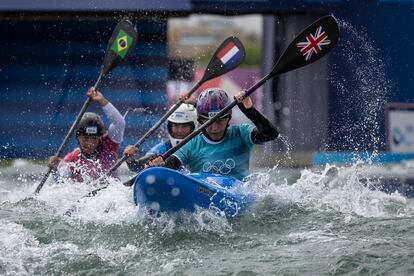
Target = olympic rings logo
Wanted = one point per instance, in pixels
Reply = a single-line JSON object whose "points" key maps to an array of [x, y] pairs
{"points": [[219, 166]]}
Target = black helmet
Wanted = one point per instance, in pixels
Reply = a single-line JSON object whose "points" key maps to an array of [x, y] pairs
{"points": [[90, 125]]}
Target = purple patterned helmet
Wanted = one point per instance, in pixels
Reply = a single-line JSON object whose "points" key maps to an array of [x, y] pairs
{"points": [[211, 101]]}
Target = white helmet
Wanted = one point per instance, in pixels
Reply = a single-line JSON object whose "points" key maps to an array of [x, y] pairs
{"points": [[184, 114]]}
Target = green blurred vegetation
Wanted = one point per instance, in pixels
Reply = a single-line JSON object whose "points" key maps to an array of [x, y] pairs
{"points": [[6, 162], [9, 162], [253, 53]]}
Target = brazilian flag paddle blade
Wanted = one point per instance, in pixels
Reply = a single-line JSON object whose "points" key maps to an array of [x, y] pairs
{"points": [[120, 45]]}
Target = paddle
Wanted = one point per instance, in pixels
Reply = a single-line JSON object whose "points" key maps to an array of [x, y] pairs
{"points": [[120, 45], [228, 56], [309, 46]]}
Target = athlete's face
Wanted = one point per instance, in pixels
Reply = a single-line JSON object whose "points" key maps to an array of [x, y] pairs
{"points": [[88, 144], [180, 131], [217, 129]]}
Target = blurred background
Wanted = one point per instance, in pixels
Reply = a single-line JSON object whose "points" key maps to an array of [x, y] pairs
{"points": [[355, 101]]}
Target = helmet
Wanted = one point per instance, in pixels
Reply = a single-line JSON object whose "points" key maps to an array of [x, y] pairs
{"points": [[90, 125], [185, 114], [211, 101]]}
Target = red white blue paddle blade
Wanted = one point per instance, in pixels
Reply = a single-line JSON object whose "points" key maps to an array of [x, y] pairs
{"points": [[228, 56]]}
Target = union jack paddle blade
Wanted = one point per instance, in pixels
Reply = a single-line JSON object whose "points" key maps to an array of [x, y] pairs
{"points": [[310, 45], [228, 56]]}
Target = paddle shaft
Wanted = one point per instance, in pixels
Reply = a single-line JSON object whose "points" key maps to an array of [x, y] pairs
{"points": [[153, 128], [69, 134]]}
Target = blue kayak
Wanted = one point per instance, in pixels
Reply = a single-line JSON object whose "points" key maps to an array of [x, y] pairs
{"points": [[165, 190]]}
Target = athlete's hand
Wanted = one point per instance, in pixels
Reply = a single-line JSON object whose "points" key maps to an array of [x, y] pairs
{"points": [[130, 150], [53, 162], [188, 100], [156, 162], [97, 96], [247, 102]]}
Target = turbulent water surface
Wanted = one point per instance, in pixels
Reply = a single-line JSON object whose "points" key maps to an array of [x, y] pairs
{"points": [[311, 222]]}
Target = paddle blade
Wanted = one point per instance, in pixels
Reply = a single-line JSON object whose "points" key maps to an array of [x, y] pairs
{"points": [[120, 45], [228, 56], [312, 44]]}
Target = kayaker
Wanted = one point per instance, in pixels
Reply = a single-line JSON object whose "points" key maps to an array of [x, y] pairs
{"points": [[179, 125], [98, 149], [221, 148]]}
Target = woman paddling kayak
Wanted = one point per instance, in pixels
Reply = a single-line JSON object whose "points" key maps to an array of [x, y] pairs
{"points": [[98, 150], [179, 124], [221, 148]]}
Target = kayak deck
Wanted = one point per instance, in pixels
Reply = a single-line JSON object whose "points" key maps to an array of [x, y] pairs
{"points": [[165, 190]]}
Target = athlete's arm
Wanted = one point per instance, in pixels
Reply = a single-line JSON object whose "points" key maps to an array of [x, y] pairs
{"points": [[117, 127], [171, 162], [137, 165], [265, 130]]}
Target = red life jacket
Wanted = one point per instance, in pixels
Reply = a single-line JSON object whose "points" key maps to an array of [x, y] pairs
{"points": [[82, 168]]}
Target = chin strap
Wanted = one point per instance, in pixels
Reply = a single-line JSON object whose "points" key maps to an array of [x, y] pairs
{"points": [[88, 156]]}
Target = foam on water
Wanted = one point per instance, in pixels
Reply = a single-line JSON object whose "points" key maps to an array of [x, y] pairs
{"points": [[347, 190], [21, 253], [14, 239]]}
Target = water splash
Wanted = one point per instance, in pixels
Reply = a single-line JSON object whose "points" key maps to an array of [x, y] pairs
{"points": [[364, 87], [350, 191]]}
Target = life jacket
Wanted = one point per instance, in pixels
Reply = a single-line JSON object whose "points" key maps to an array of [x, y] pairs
{"points": [[83, 168]]}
